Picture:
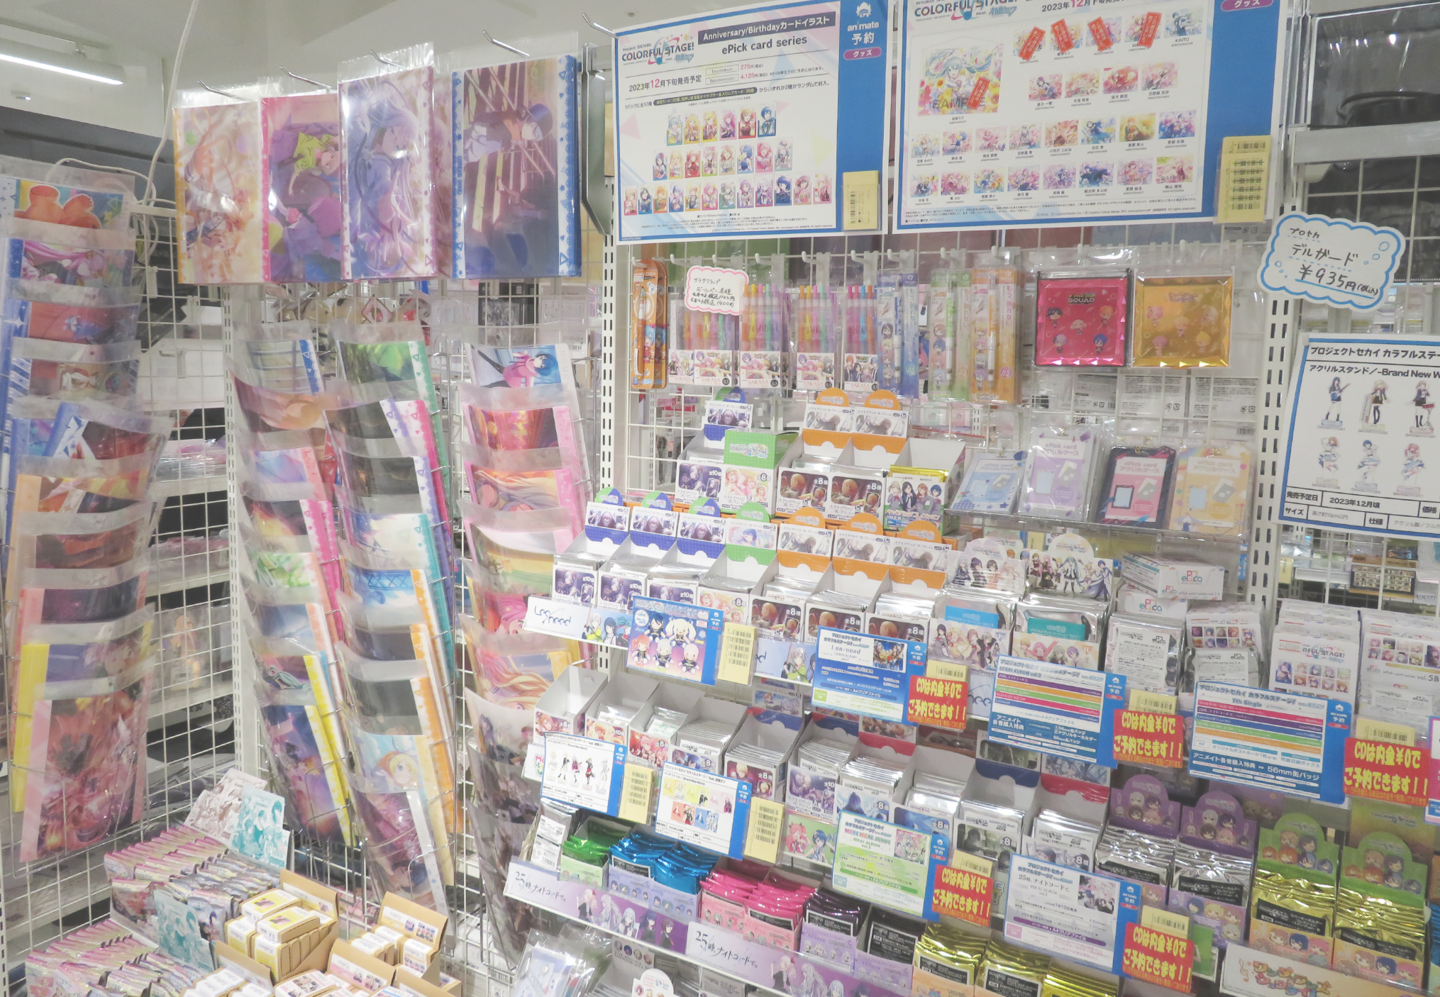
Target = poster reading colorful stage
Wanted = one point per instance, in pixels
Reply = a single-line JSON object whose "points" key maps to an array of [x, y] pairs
{"points": [[730, 124], [1361, 452], [1026, 110]]}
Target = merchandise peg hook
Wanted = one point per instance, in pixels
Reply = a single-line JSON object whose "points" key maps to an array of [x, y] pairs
{"points": [[598, 27], [380, 58], [495, 41], [222, 93], [306, 79]]}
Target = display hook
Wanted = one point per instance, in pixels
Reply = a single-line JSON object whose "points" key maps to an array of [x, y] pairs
{"points": [[598, 27], [306, 79], [495, 41]]}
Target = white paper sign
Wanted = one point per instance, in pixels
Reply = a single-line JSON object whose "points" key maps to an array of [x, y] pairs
{"points": [[714, 289], [1346, 264], [562, 619]]}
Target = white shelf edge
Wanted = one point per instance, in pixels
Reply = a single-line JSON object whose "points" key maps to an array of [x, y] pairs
{"points": [[1344, 145], [164, 488], [183, 700], [189, 582]]}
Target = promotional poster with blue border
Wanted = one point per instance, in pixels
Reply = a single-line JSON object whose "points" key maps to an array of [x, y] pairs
{"points": [[1242, 97], [1266, 723], [571, 783], [687, 832], [1049, 708], [938, 854], [1127, 910], [860, 673], [675, 639], [709, 144]]}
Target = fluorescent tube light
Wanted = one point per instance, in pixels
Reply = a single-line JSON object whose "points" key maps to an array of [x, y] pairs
{"points": [[60, 62]]}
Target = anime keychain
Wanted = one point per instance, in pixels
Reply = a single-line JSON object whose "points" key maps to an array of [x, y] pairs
{"points": [[1137, 486], [1182, 321], [1080, 319]]}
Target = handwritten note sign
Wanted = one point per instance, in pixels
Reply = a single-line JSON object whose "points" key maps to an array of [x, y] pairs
{"points": [[560, 619], [714, 289], [1335, 262]]}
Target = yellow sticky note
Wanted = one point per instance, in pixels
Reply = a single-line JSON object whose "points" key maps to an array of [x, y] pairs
{"points": [[946, 670], [762, 837], [635, 793], [1244, 179], [1151, 702], [1165, 921], [1367, 729], [978, 865], [737, 653], [862, 199]]}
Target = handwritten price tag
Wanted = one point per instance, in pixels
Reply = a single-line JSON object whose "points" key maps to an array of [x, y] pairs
{"points": [[715, 289], [1347, 264]]}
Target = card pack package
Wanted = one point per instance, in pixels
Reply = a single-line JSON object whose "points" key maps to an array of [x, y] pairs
{"points": [[1058, 472], [1182, 321], [1136, 488], [1080, 319], [1212, 488], [516, 170]]}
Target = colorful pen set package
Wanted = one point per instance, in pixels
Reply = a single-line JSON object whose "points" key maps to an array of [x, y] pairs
{"points": [[649, 326]]}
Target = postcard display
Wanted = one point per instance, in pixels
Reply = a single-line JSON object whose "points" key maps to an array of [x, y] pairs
{"points": [[79, 457]]}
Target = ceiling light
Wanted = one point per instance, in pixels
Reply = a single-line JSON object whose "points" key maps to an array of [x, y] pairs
{"points": [[60, 62]]}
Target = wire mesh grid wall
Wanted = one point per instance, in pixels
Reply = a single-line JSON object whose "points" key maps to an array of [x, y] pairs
{"points": [[1235, 403], [190, 737]]}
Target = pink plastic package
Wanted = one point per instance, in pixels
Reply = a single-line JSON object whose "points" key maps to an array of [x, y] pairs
{"points": [[1080, 320]]}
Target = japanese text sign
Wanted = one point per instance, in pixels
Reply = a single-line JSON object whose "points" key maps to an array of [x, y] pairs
{"points": [[938, 702], [1149, 739], [1346, 264], [713, 289], [1158, 958], [1392, 773]]}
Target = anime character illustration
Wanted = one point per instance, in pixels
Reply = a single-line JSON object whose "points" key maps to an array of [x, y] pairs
{"points": [[217, 170], [1329, 454], [1410, 471], [1371, 413], [1332, 414], [517, 157], [1369, 464], [388, 210], [303, 158], [1423, 407]]}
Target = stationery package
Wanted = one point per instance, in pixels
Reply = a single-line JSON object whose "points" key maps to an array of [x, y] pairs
{"points": [[1182, 321], [1081, 318]]}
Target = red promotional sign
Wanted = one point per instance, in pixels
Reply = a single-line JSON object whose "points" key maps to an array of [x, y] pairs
{"points": [[1392, 773], [1148, 29], [1149, 739], [1064, 41], [1100, 31], [1032, 44], [962, 894], [937, 702], [978, 92], [1155, 957]]}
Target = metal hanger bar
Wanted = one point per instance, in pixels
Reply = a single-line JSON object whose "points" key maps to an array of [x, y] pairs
{"points": [[219, 91], [380, 58], [495, 41], [306, 79], [598, 27]]}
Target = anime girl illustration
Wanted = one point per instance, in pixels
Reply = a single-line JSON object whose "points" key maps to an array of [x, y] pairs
{"points": [[1329, 454], [1377, 396], [1410, 471], [217, 169], [1423, 407], [1369, 464], [303, 158], [1332, 414]]}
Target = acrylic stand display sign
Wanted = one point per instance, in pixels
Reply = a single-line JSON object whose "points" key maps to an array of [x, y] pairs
{"points": [[583, 772], [888, 864], [1066, 114], [1270, 740], [769, 156], [1057, 709], [1361, 436], [859, 673]]}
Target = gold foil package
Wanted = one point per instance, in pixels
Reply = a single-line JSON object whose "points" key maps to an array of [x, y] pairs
{"points": [[1292, 917], [947, 962], [1010, 970], [1381, 918], [1061, 982]]}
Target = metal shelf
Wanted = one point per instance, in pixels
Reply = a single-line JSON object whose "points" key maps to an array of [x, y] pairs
{"points": [[177, 702], [171, 487], [1345, 145], [188, 582]]}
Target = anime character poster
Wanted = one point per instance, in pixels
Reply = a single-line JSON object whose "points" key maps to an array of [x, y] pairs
{"points": [[217, 193], [386, 179], [516, 170], [304, 218], [86, 779], [59, 205]]}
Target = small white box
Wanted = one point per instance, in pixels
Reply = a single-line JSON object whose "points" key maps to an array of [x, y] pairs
{"points": [[1173, 578]]}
